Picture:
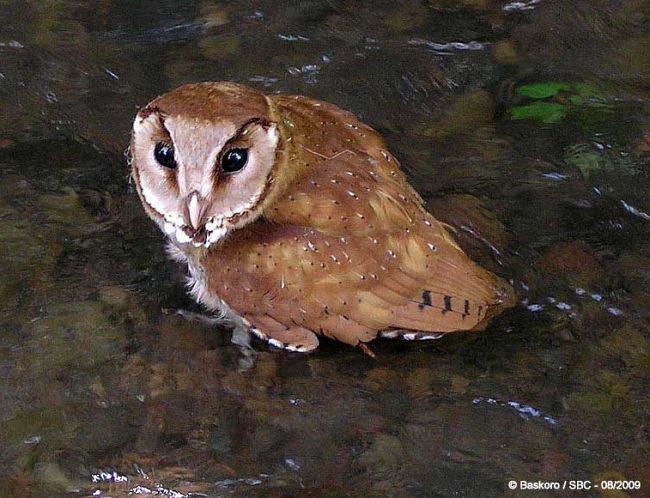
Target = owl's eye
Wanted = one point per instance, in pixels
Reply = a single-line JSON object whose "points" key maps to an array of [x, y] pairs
{"points": [[164, 154], [234, 160]]}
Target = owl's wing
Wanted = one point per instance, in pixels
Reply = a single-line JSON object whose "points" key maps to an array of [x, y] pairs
{"points": [[350, 288], [348, 250]]}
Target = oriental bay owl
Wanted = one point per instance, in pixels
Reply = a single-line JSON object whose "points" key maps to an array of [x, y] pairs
{"points": [[295, 221]]}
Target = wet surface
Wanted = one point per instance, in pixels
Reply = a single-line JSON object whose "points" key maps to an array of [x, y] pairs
{"points": [[525, 125]]}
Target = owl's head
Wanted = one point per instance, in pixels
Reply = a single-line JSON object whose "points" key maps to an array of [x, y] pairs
{"points": [[203, 158]]}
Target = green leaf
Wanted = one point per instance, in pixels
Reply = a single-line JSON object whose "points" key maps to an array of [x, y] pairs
{"points": [[576, 100], [547, 112], [542, 90]]}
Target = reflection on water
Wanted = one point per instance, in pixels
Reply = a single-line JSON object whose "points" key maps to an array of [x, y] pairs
{"points": [[524, 125]]}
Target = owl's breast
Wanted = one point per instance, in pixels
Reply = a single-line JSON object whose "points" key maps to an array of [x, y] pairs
{"points": [[198, 283]]}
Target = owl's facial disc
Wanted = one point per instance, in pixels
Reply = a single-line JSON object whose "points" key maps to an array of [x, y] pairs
{"points": [[200, 179]]}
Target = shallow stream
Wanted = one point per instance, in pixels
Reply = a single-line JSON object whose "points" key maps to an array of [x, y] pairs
{"points": [[525, 125]]}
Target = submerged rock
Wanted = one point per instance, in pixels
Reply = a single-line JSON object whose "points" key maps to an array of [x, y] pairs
{"points": [[73, 337], [468, 112]]}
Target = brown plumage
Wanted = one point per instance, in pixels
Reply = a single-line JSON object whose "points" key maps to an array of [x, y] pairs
{"points": [[317, 233]]}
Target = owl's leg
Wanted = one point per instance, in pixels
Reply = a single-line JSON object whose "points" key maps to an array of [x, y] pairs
{"points": [[241, 336], [191, 316], [294, 338]]}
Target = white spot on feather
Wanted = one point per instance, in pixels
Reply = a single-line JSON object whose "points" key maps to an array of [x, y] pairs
{"points": [[182, 237], [276, 343], [429, 337], [215, 235], [259, 334]]}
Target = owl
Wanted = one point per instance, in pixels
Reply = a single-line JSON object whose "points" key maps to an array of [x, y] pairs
{"points": [[295, 221]]}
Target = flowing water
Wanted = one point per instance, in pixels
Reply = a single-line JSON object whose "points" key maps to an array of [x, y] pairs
{"points": [[525, 125]]}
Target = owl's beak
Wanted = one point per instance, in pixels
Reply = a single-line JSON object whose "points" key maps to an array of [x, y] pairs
{"points": [[195, 210]]}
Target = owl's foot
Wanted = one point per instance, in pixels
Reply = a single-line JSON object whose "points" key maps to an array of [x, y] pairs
{"points": [[240, 332], [297, 339]]}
